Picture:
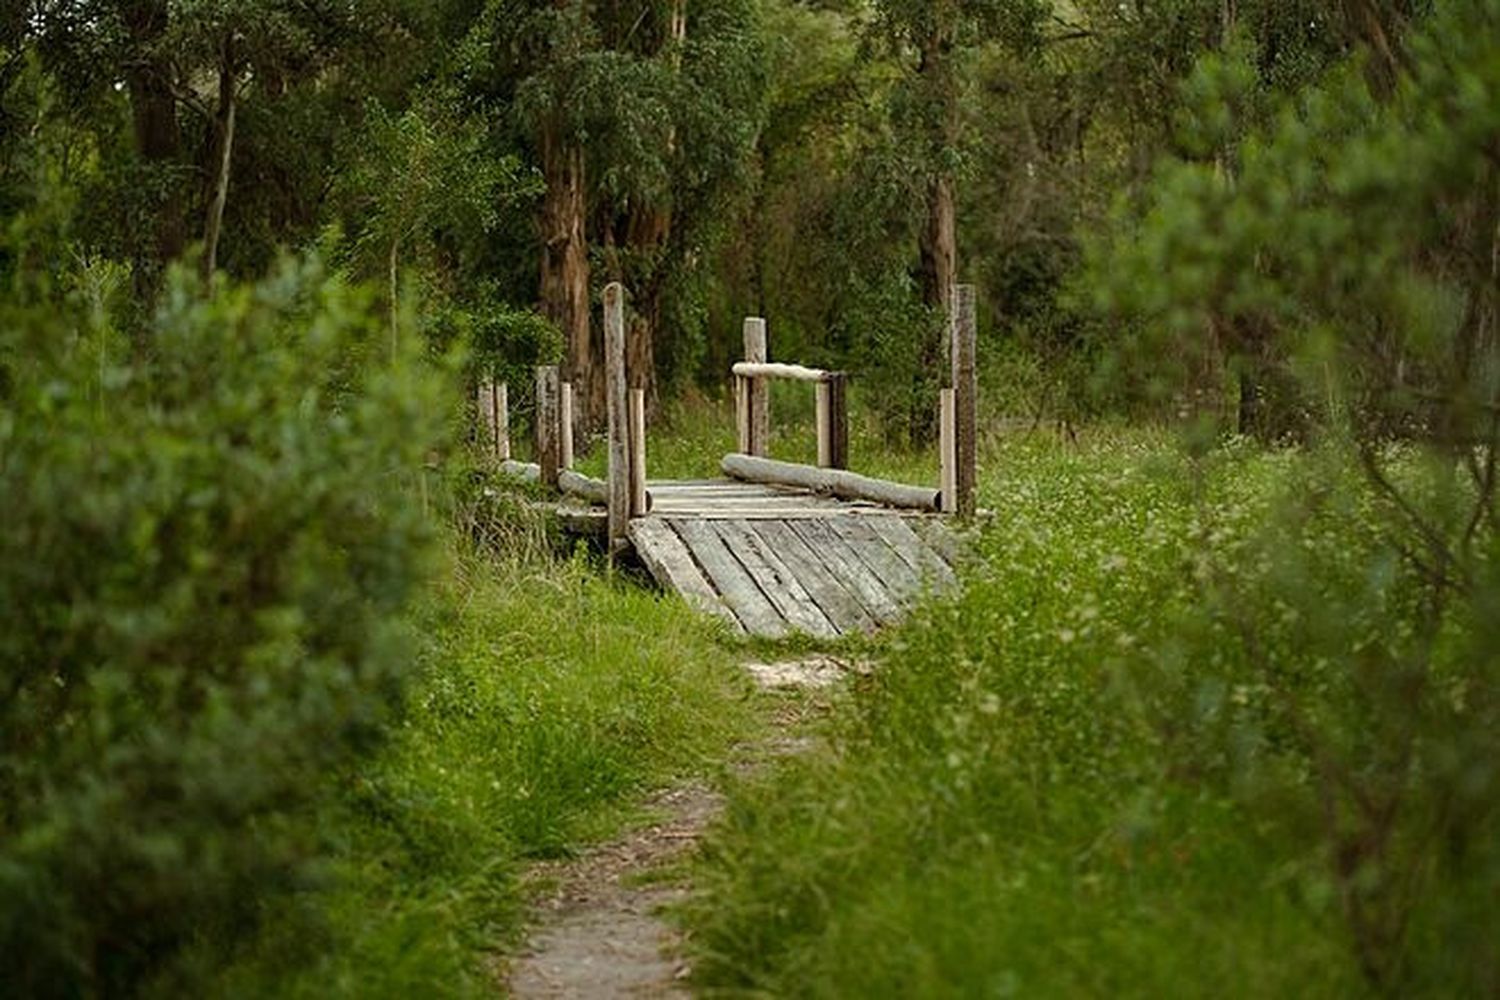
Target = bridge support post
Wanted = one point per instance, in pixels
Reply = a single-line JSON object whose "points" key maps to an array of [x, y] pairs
{"points": [[753, 395], [548, 440], [493, 401], [947, 445], [565, 427], [639, 504], [617, 399], [833, 421], [965, 348]]}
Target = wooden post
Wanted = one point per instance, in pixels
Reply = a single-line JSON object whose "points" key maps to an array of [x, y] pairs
{"points": [[757, 391], [502, 422], [965, 399], [548, 440], [825, 426], [838, 420], [565, 425], [487, 433], [947, 431], [638, 453], [742, 413], [833, 422], [619, 418]]}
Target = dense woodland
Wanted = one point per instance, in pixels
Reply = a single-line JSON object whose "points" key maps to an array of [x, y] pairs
{"points": [[1228, 672]]}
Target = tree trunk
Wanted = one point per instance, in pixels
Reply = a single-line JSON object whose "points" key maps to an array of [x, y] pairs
{"points": [[565, 270], [938, 270], [213, 225], [158, 137], [647, 234]]}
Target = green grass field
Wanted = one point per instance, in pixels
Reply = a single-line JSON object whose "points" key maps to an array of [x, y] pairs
{"points": [[1079, 779], [1073, 780], [551, 699]]}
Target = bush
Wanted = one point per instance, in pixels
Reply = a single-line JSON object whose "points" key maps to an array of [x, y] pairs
{"points": [[205, 562]]}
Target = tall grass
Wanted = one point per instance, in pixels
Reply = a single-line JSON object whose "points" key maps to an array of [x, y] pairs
{"points": [[550, 697], [1071, 781]]}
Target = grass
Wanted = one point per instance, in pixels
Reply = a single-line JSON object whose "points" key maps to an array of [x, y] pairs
{"points": [[550, 699], [1075, 779], [1069, 781]]}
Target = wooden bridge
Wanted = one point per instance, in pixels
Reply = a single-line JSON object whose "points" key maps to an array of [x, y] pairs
{"points": [[773, 549]]}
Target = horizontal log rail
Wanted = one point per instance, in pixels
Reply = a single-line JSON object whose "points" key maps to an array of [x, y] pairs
{"points": [[569, 483], [788, 373], [832, 482]]}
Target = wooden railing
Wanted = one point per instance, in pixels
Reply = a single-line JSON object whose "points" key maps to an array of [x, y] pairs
{"points": [[624, 491], [957, 420]]}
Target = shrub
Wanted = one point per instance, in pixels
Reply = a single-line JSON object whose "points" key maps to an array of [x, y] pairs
{"points": [[205, 561]]}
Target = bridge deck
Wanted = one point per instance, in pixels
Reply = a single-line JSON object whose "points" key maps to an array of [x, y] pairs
{"points": [[774, 561]]}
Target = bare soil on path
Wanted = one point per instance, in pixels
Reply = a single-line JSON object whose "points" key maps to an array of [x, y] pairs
{"points": [[599, 929]]}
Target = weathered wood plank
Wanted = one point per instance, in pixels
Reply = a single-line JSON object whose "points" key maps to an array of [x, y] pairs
{"points": [[844, 563], [900, 536], [965, 399], [735, 586], [777, 580], [940, 540], [757, 390], [548, 423], [565, 423], [833, 598], [671, 563], [639, 502], [900, 578], [617, 400]]}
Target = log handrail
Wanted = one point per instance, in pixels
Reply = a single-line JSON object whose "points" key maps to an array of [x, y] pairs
{"points": [[753, 400], [788, 373]]}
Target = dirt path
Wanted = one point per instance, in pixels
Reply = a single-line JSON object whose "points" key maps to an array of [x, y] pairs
{"points": [[599, 930]]}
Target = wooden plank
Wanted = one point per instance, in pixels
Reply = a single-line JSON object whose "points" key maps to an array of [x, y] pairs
{"points": [[849, 568], [671, 563], [619, 432], [827, 590], [900, 537], [901, 580], [940, 540], [777, 580], [839, 483], [735, 586]]}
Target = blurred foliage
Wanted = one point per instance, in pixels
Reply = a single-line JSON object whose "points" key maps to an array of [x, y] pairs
{"points": [[1192, 723], [202, 579]]}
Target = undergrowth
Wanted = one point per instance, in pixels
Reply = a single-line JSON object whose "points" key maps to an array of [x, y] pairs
{"points": [[1087, 777], [549, 698]]}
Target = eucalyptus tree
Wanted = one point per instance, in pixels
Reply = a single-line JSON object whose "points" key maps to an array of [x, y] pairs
{"points": [[641, 116], [184, 73], [938, 35]]}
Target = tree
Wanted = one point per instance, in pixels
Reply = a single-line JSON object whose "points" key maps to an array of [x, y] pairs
{"points": [[938, 35]]}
